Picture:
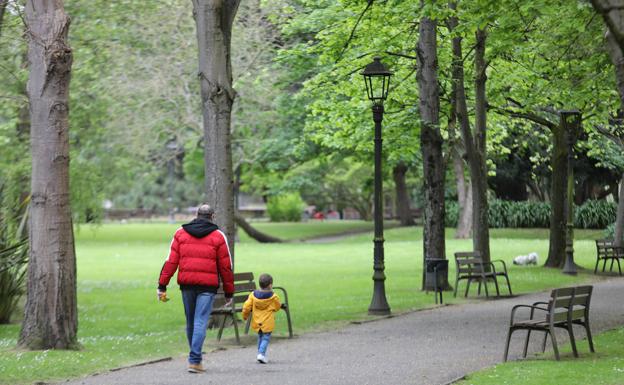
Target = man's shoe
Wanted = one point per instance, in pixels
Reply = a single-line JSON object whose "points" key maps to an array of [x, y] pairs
{"points": [[262, 359], [196, 368]]}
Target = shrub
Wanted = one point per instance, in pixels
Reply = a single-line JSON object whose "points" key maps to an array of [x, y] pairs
{"points": [[452, 214], [285, 208], [595, 214], [13, 258]]}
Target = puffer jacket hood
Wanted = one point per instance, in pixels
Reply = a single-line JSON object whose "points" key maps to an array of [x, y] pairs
{"points": [[199, 228]]}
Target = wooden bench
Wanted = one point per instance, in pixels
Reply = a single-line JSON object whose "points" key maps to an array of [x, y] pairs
{"points": [[566, 307], [243, 285], [470, 267], [607, 251]]}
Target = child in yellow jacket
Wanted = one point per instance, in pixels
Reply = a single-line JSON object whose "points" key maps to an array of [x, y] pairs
{"points": [[262, 304]]}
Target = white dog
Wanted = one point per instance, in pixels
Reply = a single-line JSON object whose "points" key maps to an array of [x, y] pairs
{"points": [[530, 259]]}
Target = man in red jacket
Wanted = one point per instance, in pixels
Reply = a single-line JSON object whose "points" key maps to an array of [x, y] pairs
{"points": [[200, 251]]}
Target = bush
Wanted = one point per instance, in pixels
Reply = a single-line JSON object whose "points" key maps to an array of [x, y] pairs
{"points": [[13, 259], [451, 217], [285, 208], [595, 214]]}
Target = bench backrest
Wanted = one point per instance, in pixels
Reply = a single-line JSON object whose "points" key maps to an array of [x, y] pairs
{"points": [[469, 262], [605, 248], [243, 285], [560, 302], [580, 302]]}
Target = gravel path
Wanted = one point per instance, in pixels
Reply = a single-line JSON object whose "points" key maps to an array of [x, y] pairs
{"points": [[425, 347]]}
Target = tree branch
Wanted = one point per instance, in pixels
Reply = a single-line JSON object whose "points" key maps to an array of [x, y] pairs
{"points": [[524, 115], [346, 45]]}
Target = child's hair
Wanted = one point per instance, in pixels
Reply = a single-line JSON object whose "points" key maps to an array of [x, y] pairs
{"points": [[265, 280]]}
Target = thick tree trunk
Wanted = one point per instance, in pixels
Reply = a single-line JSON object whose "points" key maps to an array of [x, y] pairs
{"points": [[214, 20], [619, 220], [50, 315], [252, 232], [431, 142], [612, 12], [558, 199], [478, 166], [403, 208]]}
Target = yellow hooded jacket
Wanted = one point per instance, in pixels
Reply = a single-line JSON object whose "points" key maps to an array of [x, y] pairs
{"points": [[261, 304]]}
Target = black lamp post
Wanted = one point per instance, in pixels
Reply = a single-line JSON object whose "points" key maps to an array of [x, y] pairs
{"points": [[571, 124], [377, 78]]}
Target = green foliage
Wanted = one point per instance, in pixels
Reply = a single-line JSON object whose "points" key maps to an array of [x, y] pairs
{"points": [[13, 258], [285, 208], [595, 214]]}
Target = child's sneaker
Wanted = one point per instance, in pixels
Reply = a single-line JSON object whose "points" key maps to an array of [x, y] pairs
{"points": [[261, 358]]}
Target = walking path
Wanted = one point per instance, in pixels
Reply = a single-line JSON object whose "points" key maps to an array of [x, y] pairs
{"points": [[433, 346]]}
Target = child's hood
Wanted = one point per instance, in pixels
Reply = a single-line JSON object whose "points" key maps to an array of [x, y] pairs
{"points": [[263, 298]]}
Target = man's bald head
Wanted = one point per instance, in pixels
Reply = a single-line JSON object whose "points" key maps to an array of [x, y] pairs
{"points": [[205, 212]]}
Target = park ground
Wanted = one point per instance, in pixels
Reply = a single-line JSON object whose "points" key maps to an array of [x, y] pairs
{"points": [[329, 286]]}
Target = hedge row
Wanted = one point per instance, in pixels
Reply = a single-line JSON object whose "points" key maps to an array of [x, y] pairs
{"points": [[593, 214]]}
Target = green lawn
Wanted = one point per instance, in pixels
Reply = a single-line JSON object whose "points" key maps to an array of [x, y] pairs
{"points": [[122, 323], [606, 367]]}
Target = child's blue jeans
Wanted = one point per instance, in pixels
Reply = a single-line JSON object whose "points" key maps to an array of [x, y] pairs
{"points": [[263, 342]]}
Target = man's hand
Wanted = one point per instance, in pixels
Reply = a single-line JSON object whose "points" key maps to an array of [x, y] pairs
{"points": [[228, 302], [162, 295]]}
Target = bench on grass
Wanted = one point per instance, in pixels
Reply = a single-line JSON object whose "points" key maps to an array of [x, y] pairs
{"points": [[566, 307], [243, 285], [607, 251], [470, 267]]}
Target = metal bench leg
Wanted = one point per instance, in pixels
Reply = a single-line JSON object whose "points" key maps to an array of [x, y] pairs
{"points": [[572, 341], [290, 332], [508, 285], [554, 344], [479, 289], [526, 344], [507, 344], [597, 263], [467, 287], [589, 336], [611, 267], [496, 285], [487, 295], [619, 267], [236, 328], [221, 328], [604, 265]]}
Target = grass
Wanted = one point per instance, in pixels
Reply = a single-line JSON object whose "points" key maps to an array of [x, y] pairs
{"points": [[606, 367], [120, 321]]}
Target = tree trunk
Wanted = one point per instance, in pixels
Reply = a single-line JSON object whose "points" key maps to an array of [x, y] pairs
{"points": [[478, 166], [619, 220], [612, 12], [558, 199], [50, 314], [3, 5], [252, 232], [403, 208], [475, 145], [431, 142], [214, 20], [464, 199], [616, 52]]}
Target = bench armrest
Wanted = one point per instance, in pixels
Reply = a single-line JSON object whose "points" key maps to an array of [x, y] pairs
{"points": [[502, 262], [532, 307], [285, 294]]}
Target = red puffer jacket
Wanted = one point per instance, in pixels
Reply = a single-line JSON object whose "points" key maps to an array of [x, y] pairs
{"points": [[200, 251]]}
